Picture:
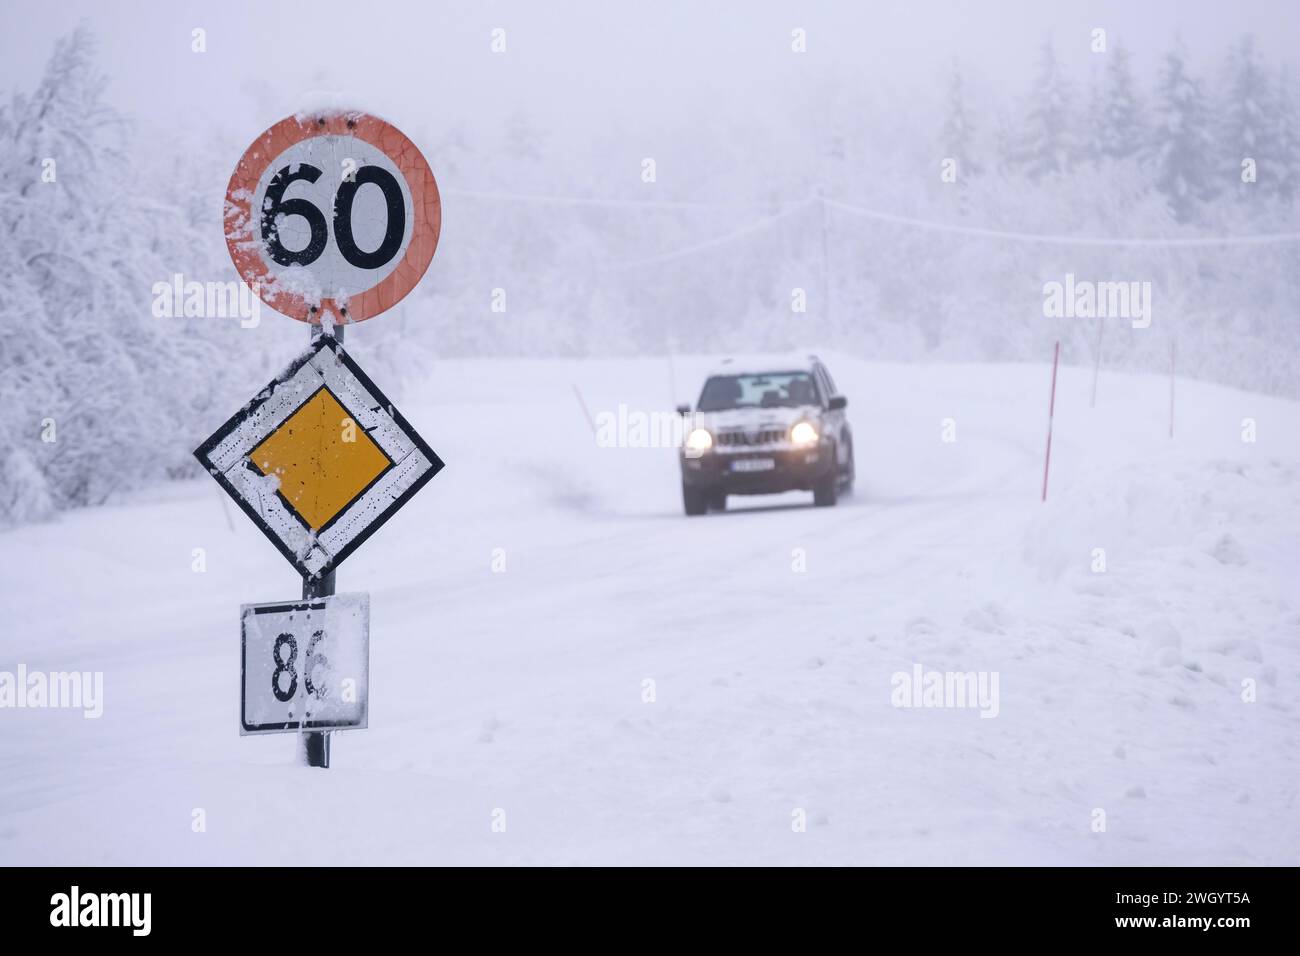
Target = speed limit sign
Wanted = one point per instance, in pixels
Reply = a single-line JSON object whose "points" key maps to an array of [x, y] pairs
{"points": [[332, 214]]}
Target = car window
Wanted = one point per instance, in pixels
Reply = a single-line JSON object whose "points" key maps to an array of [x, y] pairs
{"points": [[767, 390]]}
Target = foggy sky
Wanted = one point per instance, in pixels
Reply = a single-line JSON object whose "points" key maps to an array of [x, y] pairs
{"points": [[568, 65]]}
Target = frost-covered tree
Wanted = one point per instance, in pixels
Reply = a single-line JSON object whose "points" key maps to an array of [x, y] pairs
{"points": [[1182, 148], [1284, 134], [1245, 130], [1047, 142], [957, 138], [1121, 119], [96, 393]]}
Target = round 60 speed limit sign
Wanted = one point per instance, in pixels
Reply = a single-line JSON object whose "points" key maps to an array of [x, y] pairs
{"points": [[332, 214]]}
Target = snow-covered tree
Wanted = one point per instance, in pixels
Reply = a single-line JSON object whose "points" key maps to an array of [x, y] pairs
{"points": [[96, 393], [1282, 178], [1122, 131], [957, 138], [1183, 148], [1245, 130], [1047, 142]]}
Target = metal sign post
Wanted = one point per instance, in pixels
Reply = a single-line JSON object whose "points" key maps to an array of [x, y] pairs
{"points": [[314, 745]]}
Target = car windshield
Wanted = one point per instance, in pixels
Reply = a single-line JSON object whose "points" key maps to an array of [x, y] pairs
{"points": [[768, 390]]}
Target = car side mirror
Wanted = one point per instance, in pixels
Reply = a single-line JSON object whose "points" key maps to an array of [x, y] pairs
{"points": [[838, 402], [683, 409]]}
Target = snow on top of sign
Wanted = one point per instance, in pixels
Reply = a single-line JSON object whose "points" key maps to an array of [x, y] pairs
{"points": [[327, 104]]}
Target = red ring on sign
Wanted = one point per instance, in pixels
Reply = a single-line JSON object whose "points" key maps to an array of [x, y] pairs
{"points": [[243, 231]]}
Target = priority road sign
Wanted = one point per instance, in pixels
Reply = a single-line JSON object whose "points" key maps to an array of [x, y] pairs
{"points": [[332, 216], [319, 459], [305, 665]]}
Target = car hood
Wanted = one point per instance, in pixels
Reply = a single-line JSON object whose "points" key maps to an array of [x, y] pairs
{"points": [[755, 418]]}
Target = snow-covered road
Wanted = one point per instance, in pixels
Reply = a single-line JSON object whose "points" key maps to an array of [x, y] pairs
{"points": [[771, 634]]}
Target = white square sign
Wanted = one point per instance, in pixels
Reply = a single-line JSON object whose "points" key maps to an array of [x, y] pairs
{"points": [[305, 665]]}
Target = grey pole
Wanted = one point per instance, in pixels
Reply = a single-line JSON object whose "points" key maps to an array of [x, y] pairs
{"points": [[828, 332], [316, 743]]}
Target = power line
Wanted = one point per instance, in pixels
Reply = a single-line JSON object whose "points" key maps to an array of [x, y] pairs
{"points": [[1048, 239], [546, 200], [756, 226], [793, 206]]}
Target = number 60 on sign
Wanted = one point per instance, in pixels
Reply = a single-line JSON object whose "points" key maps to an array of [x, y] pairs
{"points": [[333, 215]]}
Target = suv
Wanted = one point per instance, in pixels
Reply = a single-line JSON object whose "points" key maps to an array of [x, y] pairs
{"points": [[766, 427]]}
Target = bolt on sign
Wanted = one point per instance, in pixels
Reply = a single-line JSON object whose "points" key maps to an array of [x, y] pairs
{"points": [[319, 459], [305, 664], [332, 217]]}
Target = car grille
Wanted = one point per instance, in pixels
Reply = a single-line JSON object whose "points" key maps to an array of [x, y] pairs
{"points": [[763, 436]]}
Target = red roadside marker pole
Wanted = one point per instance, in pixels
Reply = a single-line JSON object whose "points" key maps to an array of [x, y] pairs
{"points": [[1051, 411]]}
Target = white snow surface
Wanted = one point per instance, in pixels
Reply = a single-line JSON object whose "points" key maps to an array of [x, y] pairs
{"points": [[522, 691]]}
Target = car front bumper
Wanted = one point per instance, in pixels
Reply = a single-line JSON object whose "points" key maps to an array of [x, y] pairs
{"points": [[793, 469]]}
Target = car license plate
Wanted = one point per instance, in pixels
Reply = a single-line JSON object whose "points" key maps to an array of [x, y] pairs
{"points": [[753, 464]]}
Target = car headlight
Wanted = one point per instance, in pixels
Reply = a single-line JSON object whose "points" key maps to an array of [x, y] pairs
{"points": [[803, 433], [699, 441]]}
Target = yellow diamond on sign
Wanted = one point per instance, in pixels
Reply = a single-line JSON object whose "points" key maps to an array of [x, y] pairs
{"points": [[343, 458], [323, 460]]}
